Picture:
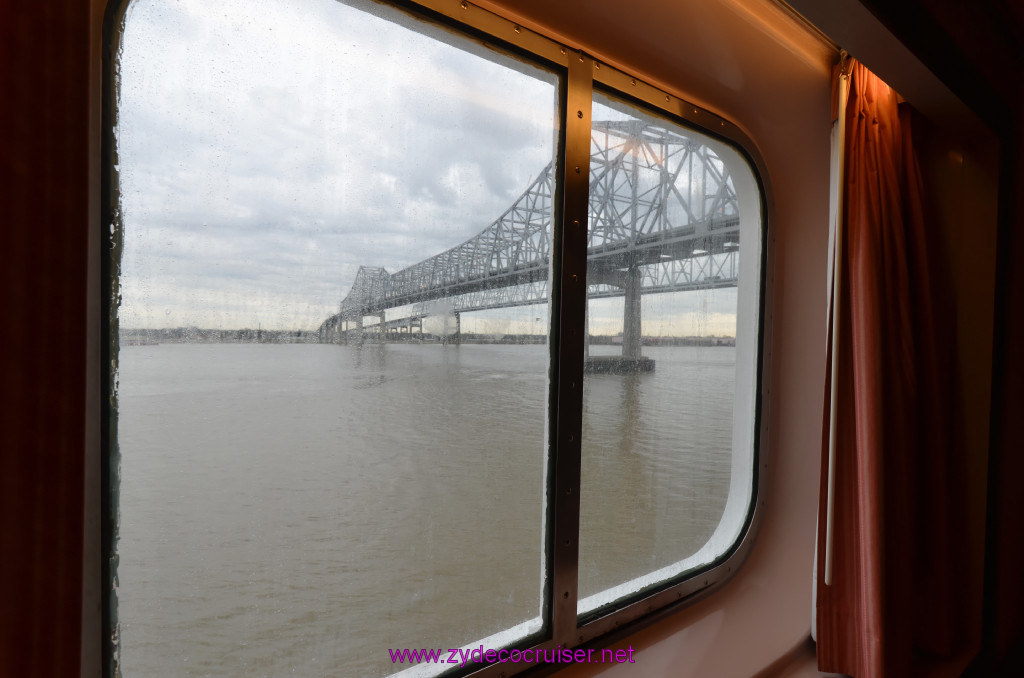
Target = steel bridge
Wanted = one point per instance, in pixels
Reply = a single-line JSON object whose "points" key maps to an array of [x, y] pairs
{"points": [[663, 217]]}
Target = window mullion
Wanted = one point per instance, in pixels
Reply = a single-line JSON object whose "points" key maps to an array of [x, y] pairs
{"points": [[569, 296]]}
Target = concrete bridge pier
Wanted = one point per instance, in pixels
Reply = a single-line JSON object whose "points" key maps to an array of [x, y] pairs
{"points": [[586, 329], [359, 330], [334, 333], [382, 334], [632, 360], [631, 332], [453, 336]]}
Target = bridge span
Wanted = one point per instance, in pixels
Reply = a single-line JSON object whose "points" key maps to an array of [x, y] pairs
{"points": [[663, 217]]}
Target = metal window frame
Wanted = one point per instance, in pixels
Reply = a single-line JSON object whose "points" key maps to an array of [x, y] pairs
{"points": [[580, 76]]}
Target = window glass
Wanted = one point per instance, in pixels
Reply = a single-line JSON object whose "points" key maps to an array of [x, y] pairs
{"points": [[298, 496], [668, 394]]}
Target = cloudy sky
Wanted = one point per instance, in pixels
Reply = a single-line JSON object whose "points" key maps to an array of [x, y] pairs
{"points": [[267, 149]]}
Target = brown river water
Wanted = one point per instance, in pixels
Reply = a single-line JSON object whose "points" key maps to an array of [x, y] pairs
{"points": [[300, 509]]}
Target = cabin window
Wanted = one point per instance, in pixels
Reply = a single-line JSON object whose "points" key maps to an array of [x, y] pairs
{"points": [[342, 419], [668, 409]]}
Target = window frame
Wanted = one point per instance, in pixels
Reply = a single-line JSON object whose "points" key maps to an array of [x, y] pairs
{"points": [[580, 75]]}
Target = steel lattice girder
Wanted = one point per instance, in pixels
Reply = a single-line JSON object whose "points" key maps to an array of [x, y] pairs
{"points": [[659, 200]]}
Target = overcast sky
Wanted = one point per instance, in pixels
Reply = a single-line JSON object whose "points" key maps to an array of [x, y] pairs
{"points": [[267, 149]]}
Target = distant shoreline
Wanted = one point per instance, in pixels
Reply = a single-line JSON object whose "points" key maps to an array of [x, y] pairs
{"points": [[194, 335]]}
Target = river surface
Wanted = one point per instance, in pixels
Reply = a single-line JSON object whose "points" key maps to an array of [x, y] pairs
{"points": [[300, 509]]}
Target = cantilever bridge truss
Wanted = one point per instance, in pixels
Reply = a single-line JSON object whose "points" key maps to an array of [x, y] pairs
{"points": [[663, 211]]}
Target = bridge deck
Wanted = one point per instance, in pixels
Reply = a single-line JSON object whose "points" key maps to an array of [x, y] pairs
{"points": [[660, 202]]}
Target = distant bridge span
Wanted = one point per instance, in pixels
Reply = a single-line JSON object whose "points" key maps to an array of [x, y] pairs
{"points": [[663, 217]]}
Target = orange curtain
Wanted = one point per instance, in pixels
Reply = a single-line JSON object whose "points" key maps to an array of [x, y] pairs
{"points": [[893, 605]]}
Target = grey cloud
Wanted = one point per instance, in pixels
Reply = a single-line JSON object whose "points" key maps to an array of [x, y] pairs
{"points": [[263, 160]]}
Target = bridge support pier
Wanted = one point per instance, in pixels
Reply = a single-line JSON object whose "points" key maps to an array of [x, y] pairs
{"points": [[586, 328], [382, 335], [631, 334], [359, 331], [454, 336], [631, 360]]}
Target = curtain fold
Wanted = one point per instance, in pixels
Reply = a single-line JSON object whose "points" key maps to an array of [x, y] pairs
{"points": [[895, 601]]}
